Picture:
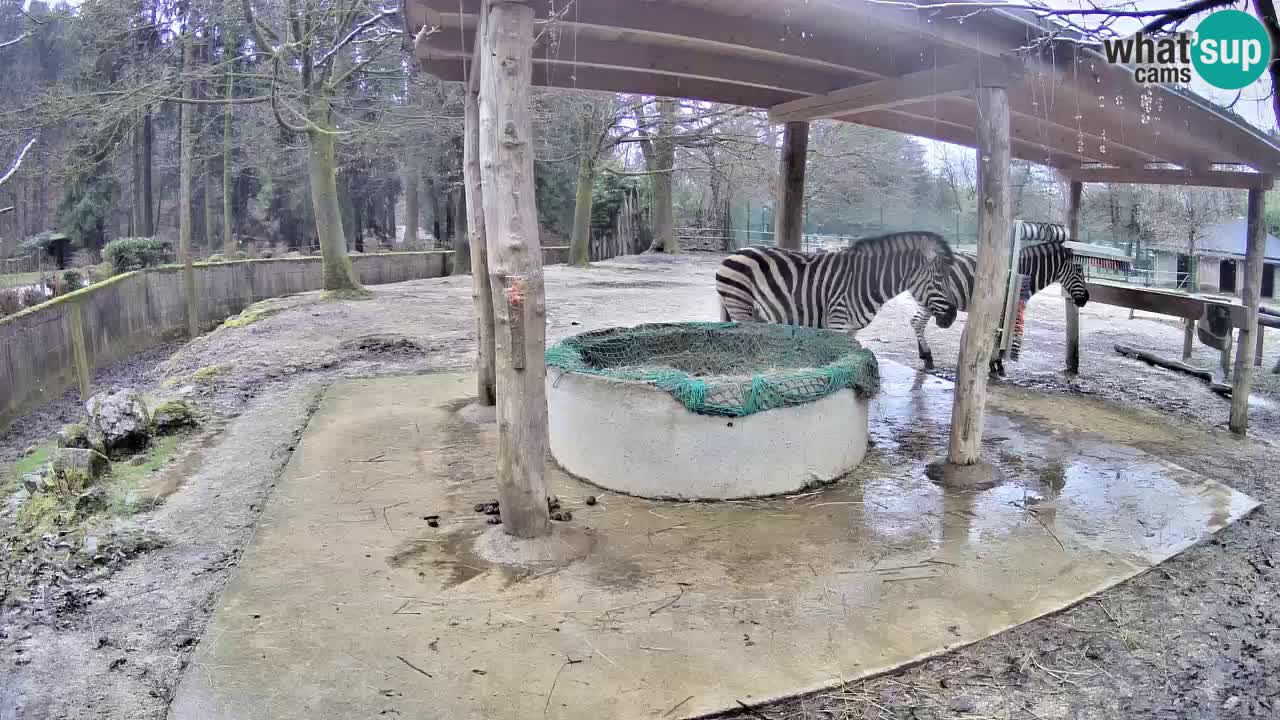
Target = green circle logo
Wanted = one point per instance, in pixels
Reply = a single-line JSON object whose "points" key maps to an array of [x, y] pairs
{"points": [[1232, 49]]}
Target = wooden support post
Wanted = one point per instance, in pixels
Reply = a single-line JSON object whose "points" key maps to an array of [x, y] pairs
{"points": [[1251, 297], [1225, 357], [1073, 312], [481, 292], [989, 276], [1257, 348], [515, 267], [1188, 338], [79, 351], [788, 223]]}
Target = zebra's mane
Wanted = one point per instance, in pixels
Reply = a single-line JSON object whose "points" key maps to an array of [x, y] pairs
{"points": [[900, 241]]}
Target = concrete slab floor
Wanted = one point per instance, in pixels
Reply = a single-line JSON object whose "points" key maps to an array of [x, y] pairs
{"points": [[348, 605]]}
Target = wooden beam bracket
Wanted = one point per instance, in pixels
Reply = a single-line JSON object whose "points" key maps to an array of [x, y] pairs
{"points": [[1231, 179]]}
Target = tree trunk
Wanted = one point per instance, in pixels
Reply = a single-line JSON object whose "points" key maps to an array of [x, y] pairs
{"points": [[185, 170], [664, 224], [1267, 12], [228, 220], [357, 222], [481, 292], [461, 237], [149, 201], [339, 276], [580, 243], [660, 155], [209, 222], [511, 224], [977, 342], [789, 218], [135, 217], [411, 174]]}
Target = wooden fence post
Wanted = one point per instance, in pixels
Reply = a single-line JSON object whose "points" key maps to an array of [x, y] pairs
{"points": [[1188, 337], [789, 220], [515, 267], [989, 277], [79, 351], [1073, 312], [1251, 296]]}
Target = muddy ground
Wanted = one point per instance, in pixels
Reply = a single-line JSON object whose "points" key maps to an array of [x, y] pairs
{"points": [[1197, 638]]}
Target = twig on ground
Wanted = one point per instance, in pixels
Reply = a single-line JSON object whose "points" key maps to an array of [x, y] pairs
{"points": [[676, 706], [1047, 529], [556, 679], [384, 513], [670, 602], [415, 667]]}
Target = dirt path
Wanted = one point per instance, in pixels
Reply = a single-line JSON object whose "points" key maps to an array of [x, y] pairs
{"points": [[1195, 639]]}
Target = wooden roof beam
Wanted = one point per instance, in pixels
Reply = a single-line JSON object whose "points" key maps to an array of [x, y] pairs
{"points": [[613, 80], [1166, 176], [963, 134], [594, 52], [894, 92], [782, 38]]}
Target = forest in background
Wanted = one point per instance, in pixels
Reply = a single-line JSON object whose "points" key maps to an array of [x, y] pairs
{"points": [[280, 93]]}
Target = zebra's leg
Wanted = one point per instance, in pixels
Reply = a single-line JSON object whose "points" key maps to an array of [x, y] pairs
{"points": [[918, 323]]}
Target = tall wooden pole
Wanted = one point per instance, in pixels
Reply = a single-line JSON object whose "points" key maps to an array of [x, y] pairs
{"points": [[481, 292], [1073, 312], [515, 267], [788, 220], [1251, 297], [990, 276]]}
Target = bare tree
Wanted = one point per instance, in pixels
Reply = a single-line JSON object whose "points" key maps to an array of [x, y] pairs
{"points": [[325, 44]]}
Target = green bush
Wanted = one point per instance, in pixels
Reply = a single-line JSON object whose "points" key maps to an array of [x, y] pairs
{"points": [[136, 253], [72, 281]]}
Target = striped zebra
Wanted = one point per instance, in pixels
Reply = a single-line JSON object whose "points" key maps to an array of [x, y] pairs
{"points": [[1047, 260], [840, 290]]}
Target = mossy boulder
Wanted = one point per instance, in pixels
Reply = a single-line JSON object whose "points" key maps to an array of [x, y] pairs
{"points": [[75, 469], [75, 435], [172, 416], [118, 422]]}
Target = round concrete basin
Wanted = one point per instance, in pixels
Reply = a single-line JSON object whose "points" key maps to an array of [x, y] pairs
{"points": [[634, 436]]}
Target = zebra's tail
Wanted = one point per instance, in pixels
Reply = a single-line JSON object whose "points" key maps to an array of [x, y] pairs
{"points": [[724, 312]]}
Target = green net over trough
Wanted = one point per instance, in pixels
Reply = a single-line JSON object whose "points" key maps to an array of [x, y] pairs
{"points": [[728, 369]]}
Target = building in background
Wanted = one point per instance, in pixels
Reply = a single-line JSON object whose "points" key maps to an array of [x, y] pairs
{"points": [[1217, 265]]}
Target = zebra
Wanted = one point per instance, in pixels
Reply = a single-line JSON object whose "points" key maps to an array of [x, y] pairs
{"points": [[1046, 261], [839, 290]]}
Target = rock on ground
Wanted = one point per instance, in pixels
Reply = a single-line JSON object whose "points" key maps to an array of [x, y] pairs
{"points": [[118, 420], [75, 469]]}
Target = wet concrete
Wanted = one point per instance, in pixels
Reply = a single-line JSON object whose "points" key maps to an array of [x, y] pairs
{"points": [[349, 605]]}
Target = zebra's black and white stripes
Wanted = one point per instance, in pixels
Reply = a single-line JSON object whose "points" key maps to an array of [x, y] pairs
{"points": [[1046, 262], [839, 290]]}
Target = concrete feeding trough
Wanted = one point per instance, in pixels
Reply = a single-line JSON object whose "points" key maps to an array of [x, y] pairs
{"points": [[709, 411]]}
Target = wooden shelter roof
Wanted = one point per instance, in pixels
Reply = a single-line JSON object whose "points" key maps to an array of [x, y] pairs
{"points": [[878, 64]]}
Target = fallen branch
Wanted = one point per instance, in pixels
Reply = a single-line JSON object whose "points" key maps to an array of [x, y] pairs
{"points": [[1176, 366], [16, 163]]}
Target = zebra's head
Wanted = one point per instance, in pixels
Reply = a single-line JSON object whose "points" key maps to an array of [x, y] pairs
{"points": [[1072, 280], [940, 296]]}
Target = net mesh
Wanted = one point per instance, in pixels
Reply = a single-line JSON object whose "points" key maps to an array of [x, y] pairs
{"points": [[727, 369]]}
